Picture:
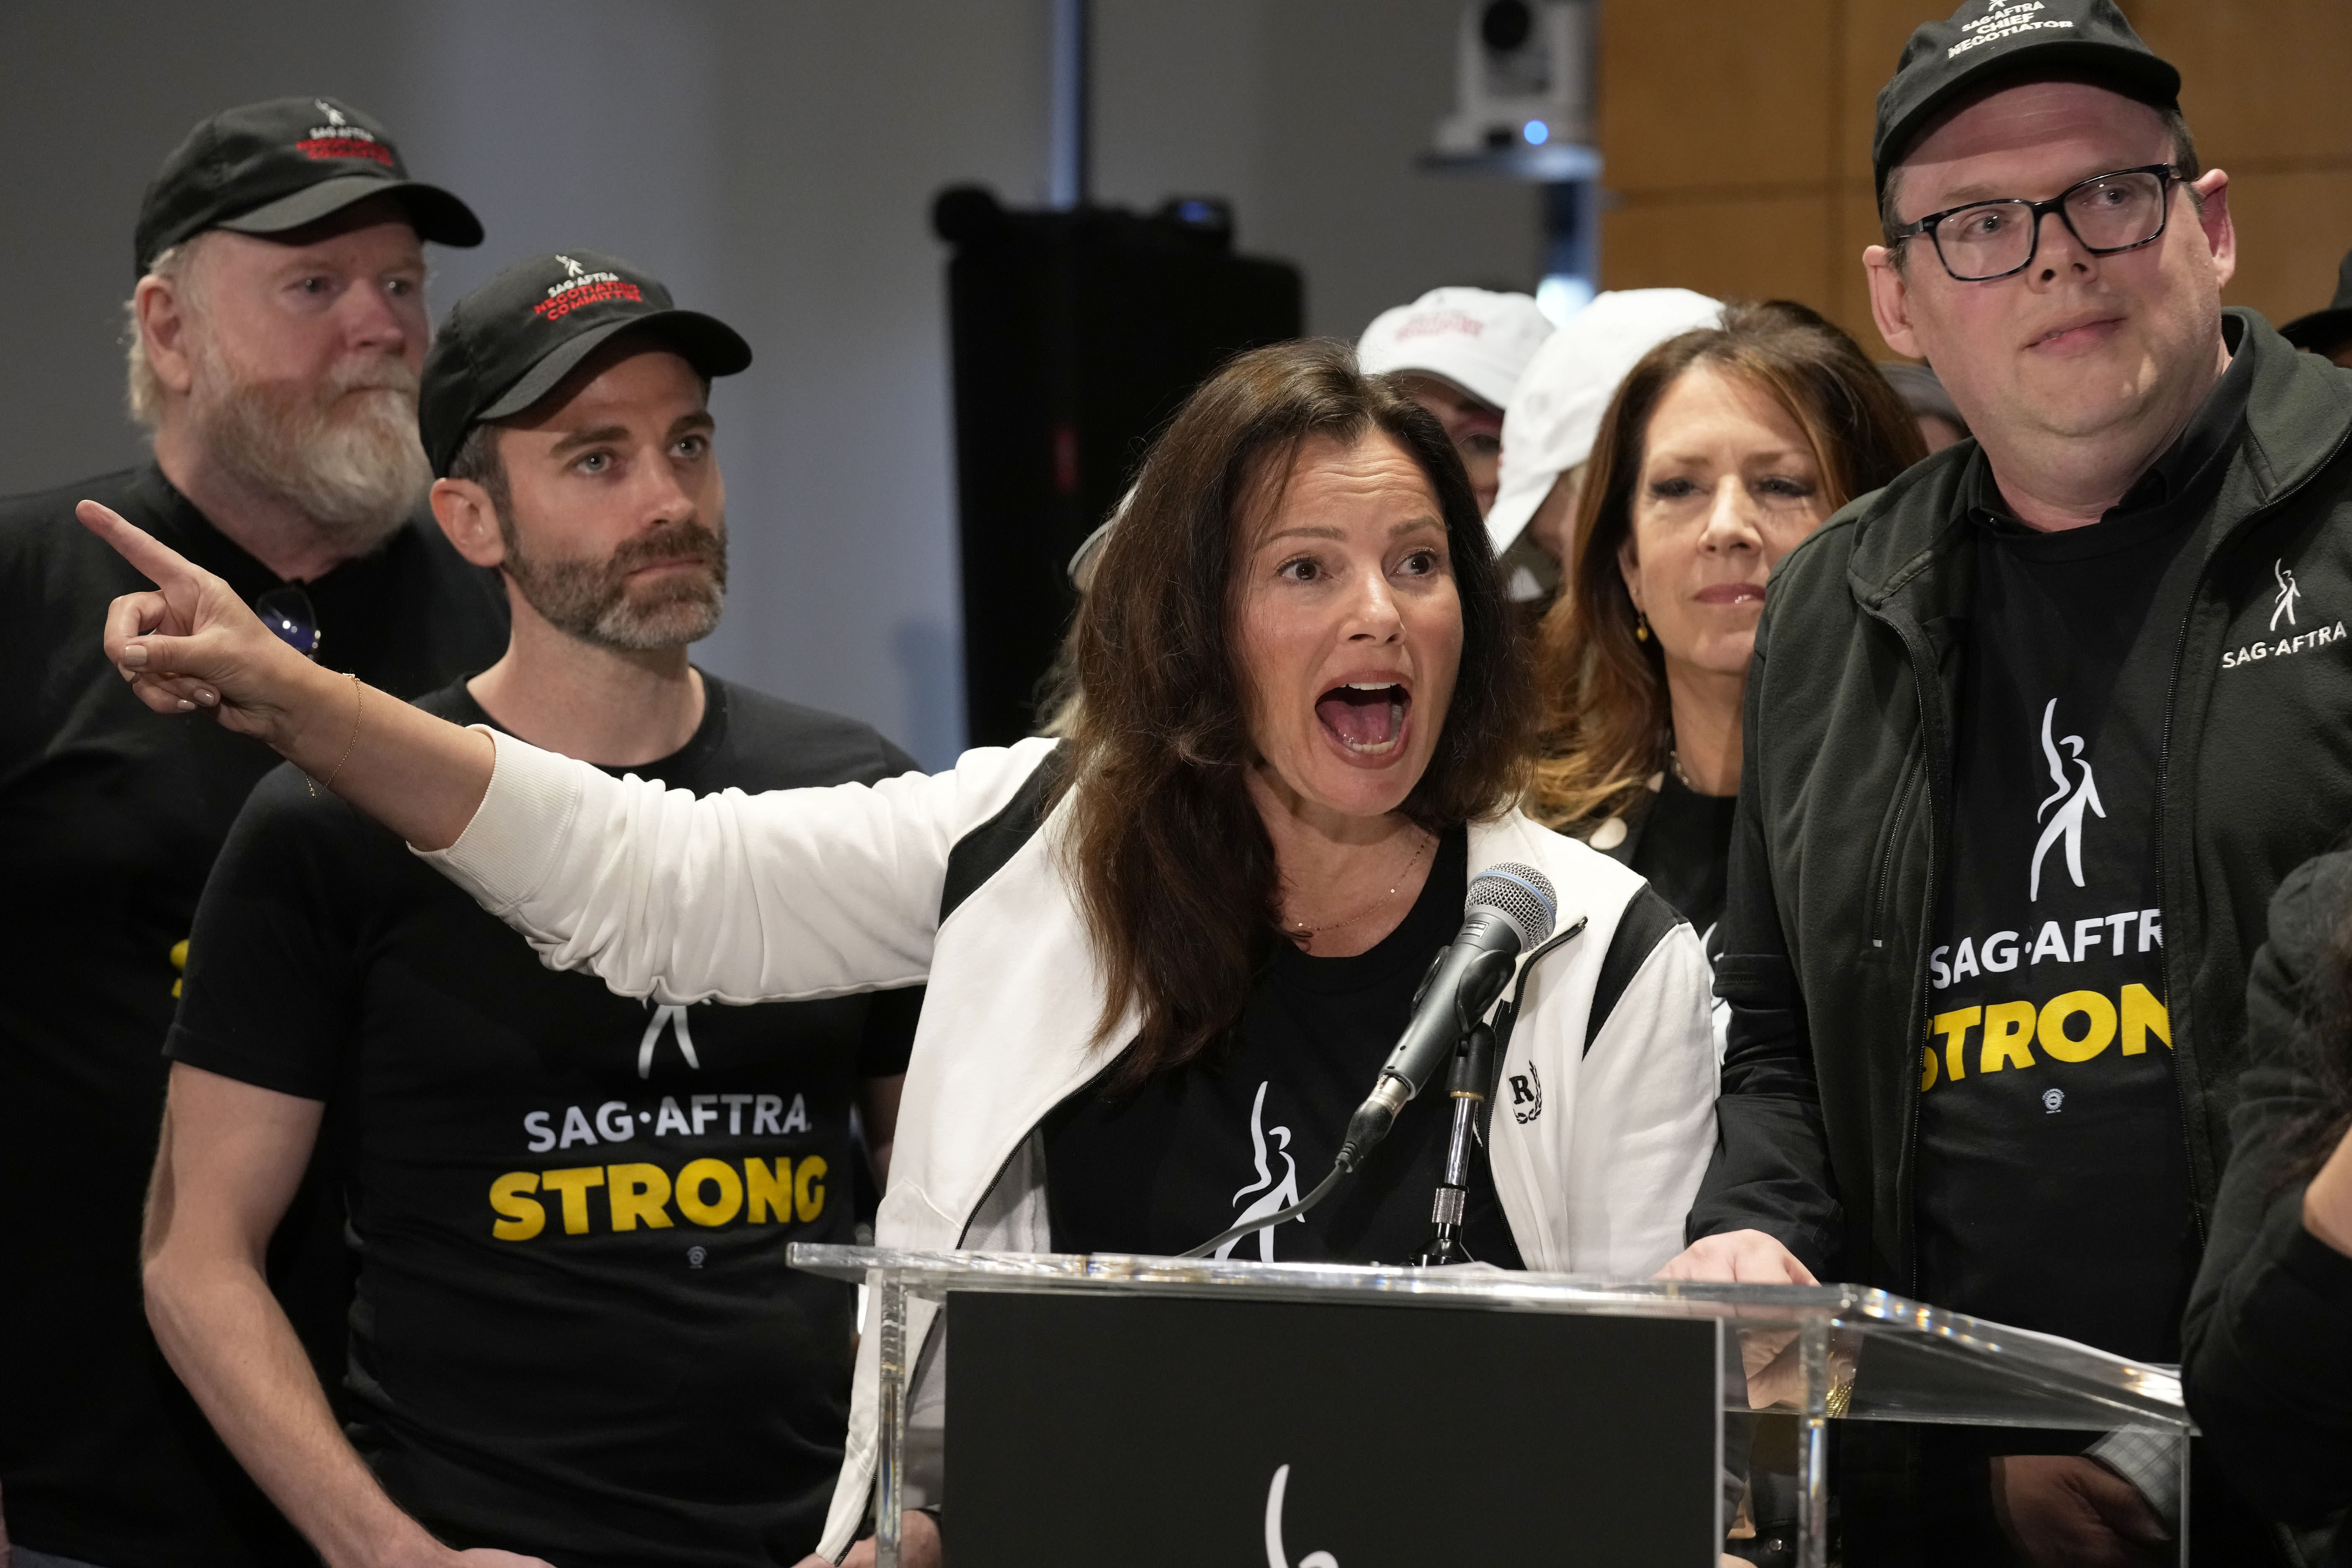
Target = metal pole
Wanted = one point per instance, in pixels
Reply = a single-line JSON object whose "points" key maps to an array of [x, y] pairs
{"points": [[1069, 177], [891, 1436], [1813, 1449]]}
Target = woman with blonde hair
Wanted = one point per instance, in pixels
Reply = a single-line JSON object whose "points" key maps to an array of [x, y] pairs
{"points": [[1723, 448]]}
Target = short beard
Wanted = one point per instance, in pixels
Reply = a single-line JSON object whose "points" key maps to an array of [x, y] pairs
{"points": [[593, 600], [344, 453]]}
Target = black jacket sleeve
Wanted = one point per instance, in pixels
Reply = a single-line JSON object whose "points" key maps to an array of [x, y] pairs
{"points": [[2268, 1341], [1770, 1171]]}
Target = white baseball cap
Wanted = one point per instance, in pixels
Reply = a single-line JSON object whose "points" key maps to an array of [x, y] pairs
{"points": [[1549, 423], [1475, 337]]}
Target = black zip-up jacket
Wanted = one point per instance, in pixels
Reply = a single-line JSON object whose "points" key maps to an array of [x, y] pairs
{"points": [[1839, 856], [2268, 1365]]}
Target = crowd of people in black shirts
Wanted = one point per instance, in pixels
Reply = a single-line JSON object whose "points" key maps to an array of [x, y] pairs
{"points": [[1948, 765]]}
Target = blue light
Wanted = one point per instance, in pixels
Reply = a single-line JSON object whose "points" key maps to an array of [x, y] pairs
{"points": [[1536, 133]]}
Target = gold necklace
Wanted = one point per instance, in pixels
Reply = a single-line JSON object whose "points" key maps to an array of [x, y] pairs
{"points": [[1300, 928]]}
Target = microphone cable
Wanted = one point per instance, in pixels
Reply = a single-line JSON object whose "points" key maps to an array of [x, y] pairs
{"points": [[1368, 1127], [1339, 1168]]}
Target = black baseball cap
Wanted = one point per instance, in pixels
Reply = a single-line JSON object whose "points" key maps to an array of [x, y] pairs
{"points": [[2322, 332], [266, 168], [506, 345], [1986, 39]]}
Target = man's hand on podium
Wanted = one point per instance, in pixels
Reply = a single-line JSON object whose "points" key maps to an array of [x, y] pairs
{"points": [[1738, 1257], [918, 1546]]}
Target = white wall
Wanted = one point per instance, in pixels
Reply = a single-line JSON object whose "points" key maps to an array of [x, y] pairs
{"points": [[774, 161]]}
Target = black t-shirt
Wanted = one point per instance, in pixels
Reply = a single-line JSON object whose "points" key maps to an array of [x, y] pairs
{"points": [[1163, 1167], [110, 818], [1685, 853], [2052, 1188], [575, 1335]]}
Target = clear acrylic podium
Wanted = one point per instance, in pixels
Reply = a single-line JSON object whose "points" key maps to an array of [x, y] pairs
{"points": [[1820, 1353]]}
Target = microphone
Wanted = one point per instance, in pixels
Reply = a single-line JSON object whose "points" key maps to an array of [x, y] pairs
{"points": [[1511, 907]]}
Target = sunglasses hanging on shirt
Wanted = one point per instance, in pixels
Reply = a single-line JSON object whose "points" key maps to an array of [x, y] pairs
{"points": [[288, 612]]}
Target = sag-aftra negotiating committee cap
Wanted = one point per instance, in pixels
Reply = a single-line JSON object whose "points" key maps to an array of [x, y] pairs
{"points": [[1985, 40], [506, 345], [267, 168]]}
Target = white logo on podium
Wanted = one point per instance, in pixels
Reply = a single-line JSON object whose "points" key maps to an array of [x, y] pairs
{"points": [[1275, 1557]]}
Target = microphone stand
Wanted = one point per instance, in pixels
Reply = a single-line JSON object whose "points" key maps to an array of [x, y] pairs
{"points": [[1468, 1084]]}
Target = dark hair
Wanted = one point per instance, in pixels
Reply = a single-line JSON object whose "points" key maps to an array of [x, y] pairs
{"points": [[1606, 716], [2324, 1053], [1891, 223], [476, 459], [1172, 864]]}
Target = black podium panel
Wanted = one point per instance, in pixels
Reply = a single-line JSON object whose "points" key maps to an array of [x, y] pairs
{"points": [[1184, 1432]]}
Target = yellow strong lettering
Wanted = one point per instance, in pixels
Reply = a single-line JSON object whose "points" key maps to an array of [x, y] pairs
{"points": [[637, 1192], [769, 1189], [573, 1184], [1954, 1026], [525, 1218], [2098, 1033], [808, 1188], [2007, 1027], [709, 1173], [2144, 1015]]}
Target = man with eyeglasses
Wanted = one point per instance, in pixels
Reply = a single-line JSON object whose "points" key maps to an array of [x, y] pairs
{"points": [[274, 336], [574, 1332], [2033, 733]]}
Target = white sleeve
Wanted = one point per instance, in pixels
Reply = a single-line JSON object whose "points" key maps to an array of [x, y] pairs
{"points": [[1644, 1116], [739, 898]]}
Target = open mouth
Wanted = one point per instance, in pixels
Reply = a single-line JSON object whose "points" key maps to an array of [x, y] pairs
{"points": [[1365, 717]]}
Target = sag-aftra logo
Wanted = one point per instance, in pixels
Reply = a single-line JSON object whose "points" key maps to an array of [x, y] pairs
{"points": [[623, 1195], [2061, 1019], [2277, 644]]}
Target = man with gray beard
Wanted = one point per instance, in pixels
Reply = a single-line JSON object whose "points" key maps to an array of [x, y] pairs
{"points": [[574, 1336], [276, 336]]}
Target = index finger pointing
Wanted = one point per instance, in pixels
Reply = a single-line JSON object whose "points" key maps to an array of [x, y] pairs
{"points": [[164, 566]]}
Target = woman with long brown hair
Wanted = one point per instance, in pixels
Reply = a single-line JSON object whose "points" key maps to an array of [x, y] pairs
{"points": [[1167, 957], [1721, 451]]}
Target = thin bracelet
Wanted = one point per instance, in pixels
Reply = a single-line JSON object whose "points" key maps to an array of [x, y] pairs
{"points": [[359, 702]]}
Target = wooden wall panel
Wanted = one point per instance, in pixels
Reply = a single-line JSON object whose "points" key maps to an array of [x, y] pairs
{"points": [[1770, 246], [1712, 95], [1714, 107], [2267, 88], [2293, 229]]}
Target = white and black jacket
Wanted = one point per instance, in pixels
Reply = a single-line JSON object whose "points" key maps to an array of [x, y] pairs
{"points": [[817, 892]]}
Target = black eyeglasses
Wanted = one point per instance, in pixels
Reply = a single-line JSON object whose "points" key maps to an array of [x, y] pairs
{"points": [[287, 611], [2105, 213]]}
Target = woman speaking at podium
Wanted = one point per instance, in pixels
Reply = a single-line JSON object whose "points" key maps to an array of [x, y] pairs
{"points": [[1166, 956]]}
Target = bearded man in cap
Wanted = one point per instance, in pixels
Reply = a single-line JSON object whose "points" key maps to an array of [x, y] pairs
{"points": [[2033, 735], [277, 327], [575, 1335]]}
